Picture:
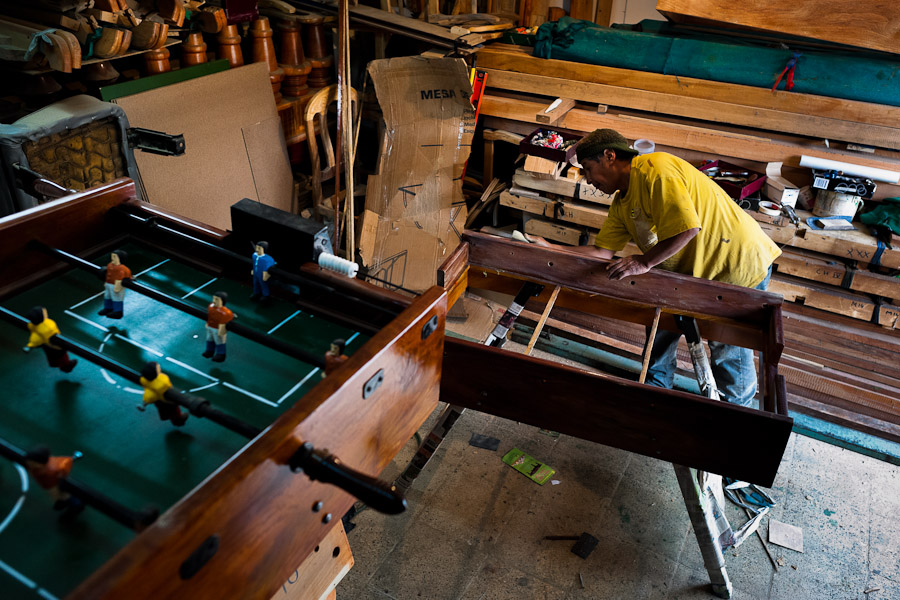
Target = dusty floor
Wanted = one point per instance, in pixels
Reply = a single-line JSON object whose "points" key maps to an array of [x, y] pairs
{"points": [[474, 528]]}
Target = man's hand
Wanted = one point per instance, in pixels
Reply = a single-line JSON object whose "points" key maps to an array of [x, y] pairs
{"points": [[537, 240], [627, 267], [117, 287], [266, 275]]}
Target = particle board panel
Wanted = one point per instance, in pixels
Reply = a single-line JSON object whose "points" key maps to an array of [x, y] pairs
{"points": [[874, 24], [232, 151]]}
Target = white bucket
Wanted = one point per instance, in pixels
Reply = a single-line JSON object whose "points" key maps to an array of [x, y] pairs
{"points": [[835, 204], [644, 146]]}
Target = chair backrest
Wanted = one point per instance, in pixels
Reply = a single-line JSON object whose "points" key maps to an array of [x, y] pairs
{"points": [[316, 118]]}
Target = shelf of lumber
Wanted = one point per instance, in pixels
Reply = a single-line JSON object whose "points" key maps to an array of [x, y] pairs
{"points": [[715, 142], [513, 68]]}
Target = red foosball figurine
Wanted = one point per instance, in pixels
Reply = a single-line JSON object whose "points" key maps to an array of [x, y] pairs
{"points": [[335, 356], [218, 316], [155, 384], [114, 292], [48, 471], [43, 329]]}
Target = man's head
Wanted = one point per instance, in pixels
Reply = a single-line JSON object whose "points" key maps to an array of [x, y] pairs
{"points": [[118, 257], [605, 156], [262, 248], [220, 299], [337, 347]]}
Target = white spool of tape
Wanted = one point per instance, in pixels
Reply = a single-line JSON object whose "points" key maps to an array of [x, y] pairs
{"points": [[769, 208]]}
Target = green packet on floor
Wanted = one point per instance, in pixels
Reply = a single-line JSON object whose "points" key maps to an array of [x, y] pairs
{"points": [[528, 466]]}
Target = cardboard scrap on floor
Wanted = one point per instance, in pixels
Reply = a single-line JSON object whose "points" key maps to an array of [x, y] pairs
{"points": [[484, 441], [530, 467], [785, 535], [415, 210]]}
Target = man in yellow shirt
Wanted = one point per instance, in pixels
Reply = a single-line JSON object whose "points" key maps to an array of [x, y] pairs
{"points": [[683, 222]]}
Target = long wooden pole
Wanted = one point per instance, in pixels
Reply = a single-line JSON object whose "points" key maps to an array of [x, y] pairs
{"points": [[343, 19], [540, 324], [350, 141], [649, 347]]}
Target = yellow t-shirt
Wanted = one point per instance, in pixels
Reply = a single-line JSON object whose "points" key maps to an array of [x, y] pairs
{"points": [[667, 196]]}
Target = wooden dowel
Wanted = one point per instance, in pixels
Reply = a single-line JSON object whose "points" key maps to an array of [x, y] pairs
{"points": [[649, 347], [542, 320]]}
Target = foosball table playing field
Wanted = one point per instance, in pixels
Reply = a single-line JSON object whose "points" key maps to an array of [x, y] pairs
{"points": [[187, 439]]}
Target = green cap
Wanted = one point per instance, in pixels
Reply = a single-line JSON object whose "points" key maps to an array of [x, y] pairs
{"points": [[594, 143]]}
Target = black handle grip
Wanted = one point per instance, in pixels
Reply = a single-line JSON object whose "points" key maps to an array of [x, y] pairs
{"points": [[327, 468]]}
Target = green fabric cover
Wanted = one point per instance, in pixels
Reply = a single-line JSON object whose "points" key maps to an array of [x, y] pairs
{"points": [[887, 213], [660, 49]]}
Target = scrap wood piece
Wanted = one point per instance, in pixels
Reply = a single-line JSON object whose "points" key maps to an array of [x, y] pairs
{"points": [[555, 111], [540, 324]]}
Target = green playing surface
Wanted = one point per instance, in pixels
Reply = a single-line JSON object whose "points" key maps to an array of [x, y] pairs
{"points": [[129, 455]]}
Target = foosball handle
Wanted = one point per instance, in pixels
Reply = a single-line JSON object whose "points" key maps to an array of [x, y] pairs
{"points": [[327, 468]]}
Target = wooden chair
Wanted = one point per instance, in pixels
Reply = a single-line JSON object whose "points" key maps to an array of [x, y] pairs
{"points": [[317, 109]]}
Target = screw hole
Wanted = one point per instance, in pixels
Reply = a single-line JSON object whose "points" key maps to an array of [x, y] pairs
{"points": [[316, 550], [550, 263], [632, 282], [718, 297], [336, 552]]}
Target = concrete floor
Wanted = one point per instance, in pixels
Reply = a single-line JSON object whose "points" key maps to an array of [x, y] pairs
{"points": [[474, 528]]}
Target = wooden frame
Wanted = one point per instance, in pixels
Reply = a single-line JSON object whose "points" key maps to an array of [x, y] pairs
{"points": [[260, 510], [674, 426]]}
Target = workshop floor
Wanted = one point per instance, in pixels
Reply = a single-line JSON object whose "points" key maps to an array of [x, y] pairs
{"points": [[474, 529]]}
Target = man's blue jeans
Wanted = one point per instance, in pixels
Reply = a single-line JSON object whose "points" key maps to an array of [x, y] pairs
{"points": [[732, 367]]}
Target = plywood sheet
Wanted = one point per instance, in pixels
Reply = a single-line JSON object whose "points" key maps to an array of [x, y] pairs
{"points": [[233, 149], [874, 24]]}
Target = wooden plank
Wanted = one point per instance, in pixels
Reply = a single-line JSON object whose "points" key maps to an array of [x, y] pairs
{"points": [[811, 294], [556, 232], [520, 60], [874, 24], [889, 316], [572, 212], [665, 424], [563, 187], [603, 15], [699, 108], [845, 417], [320, 573], [807, 266], [711, 141]]}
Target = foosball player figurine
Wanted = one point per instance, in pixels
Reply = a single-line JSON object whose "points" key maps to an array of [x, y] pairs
{"points": [[262, 262], [218, 316], [335, 356], [155, 384], [43, 329], [114, 292], [48, 471]]}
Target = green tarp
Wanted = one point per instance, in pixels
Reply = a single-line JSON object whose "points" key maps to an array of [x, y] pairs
{"points": [[659, 48]]}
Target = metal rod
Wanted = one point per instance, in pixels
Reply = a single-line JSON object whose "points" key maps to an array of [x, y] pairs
{"points": [[317, 360], [137, 520], [276, 272], [196, 405]]}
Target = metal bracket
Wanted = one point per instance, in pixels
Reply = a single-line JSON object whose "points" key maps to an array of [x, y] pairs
{"points": [[155, 142], [373, 383], [429, 327]]}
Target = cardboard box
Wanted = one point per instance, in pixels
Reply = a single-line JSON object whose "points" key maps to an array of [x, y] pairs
{"points": [[415, 209], [779, 189], [557, 154], [738, 192]]}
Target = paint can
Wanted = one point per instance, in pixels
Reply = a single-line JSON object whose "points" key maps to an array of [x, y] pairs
{"points": [[836, 204]]}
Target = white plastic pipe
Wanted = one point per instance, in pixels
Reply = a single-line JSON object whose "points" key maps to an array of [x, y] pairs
{"points": [[849, 169]]}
